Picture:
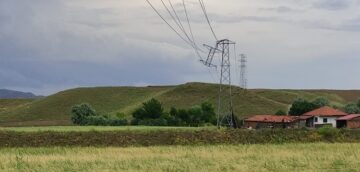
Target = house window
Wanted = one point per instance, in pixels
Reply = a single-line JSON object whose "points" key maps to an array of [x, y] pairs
{"points": [[316, 119], [325, 120]]}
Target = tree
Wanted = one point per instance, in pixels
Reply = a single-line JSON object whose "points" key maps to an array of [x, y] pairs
{"points": [[358, 103], [151, 109], [280, 113], [208, 112], [81, 112], [321, 102], [352, 108], [183, 114], [301, 106], [173, 111]]}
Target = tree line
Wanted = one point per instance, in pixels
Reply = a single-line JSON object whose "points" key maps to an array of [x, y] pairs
{"points": [[151, 113], [301, 106]]}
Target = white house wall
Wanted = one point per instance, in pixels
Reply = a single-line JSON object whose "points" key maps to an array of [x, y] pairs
{"points": [[330, 120]]}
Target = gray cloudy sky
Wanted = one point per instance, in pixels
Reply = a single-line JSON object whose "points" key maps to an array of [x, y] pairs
{"points": [[50, 45]]}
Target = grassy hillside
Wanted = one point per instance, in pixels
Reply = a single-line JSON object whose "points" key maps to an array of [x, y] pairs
{"points": [[11, 104], [55, 109]]}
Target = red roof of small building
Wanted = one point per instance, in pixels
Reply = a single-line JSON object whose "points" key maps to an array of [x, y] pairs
{"points": [[271, 118], [325, 111], [305, 117], [349, 117]]}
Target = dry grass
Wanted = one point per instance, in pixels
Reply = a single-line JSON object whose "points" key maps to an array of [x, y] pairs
{"points": [[288, 157]]}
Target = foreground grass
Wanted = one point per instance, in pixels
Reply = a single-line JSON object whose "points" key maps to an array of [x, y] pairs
{"points": [[287, 157], [100, 128]]}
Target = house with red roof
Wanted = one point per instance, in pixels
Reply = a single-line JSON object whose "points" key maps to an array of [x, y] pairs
{"points": [[271, 121], [350, 121], [322, 116]]}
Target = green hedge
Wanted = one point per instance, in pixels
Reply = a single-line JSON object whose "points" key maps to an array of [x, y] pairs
{"points": [[156, 138]]}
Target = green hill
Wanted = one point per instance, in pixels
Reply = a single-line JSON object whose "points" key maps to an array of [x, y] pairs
{"points": [[55, 109], [11, 104]]}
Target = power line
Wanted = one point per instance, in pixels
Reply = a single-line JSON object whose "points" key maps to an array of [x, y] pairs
{"points": [[188, 21], [178, 22], [173, 17], [207, 18], [178, 19], [191, 32], [189, 41], [171, 27]]}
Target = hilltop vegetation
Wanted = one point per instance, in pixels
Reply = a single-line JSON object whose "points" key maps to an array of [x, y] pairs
{"points": [[56, 109]]}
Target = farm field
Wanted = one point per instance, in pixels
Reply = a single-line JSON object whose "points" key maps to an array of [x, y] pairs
{"points": [[101, 128], [283, 157]]}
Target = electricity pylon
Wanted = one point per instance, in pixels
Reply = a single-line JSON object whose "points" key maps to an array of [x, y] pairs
{"points": [[225, 104], [243, 79]]}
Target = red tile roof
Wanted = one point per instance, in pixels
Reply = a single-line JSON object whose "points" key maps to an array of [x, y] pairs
{"points": [[304, 117], [271, 118], [325, 111], [349, 117]]}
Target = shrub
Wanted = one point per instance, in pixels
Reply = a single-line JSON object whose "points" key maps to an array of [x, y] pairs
{"points": [[150, 110], [97, 121], [321, 102], [120, 115], [84, 114], [135, 121], [280, 113], [152, 113], [153, 122], [328, 132], [352, 108], [118, 122], [79, 113], [173, 120]]}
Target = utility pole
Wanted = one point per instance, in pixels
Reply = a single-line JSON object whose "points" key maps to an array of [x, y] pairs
{"points": [[226, 115]]}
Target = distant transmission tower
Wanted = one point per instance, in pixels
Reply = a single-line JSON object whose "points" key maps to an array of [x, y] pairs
{"points": [[243, 68], [225, 104]]}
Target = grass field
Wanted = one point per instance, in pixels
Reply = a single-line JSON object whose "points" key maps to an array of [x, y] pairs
{"points": [[55, 109], [287, 157], [101, 128]]}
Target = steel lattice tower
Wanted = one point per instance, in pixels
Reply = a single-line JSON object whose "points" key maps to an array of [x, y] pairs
{"points": [[225, 104], [243, 79]]}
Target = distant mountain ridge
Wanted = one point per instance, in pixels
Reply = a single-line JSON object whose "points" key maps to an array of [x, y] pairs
{"points": [[11, 94]]}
